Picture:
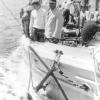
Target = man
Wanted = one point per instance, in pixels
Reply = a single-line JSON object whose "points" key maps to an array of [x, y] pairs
{"points": [[69, 21], [37, 22], [82, 17], [54, 21], [73, 8], [25, 18], [66, 15]]}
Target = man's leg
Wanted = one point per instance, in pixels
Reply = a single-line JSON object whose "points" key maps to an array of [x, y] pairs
{"points": [[40, 36], [33, 34], [25, 25]]}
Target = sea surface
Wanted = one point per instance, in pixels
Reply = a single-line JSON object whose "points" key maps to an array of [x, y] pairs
{"points": [[13, 74], [10, 25]]}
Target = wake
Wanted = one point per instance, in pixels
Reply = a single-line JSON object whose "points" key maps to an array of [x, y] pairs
{"points": [[14, 75]]}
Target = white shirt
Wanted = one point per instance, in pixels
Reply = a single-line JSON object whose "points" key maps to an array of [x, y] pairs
{"points": [[73, 8], [87, 15], [54, 23], [38, 18]]}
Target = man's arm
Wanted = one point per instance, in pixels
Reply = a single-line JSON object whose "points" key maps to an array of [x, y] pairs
{"points": [[31, 21]]}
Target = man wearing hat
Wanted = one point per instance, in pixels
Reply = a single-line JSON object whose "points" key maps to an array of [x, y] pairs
{"points": [[54, 21], [37, 22]]}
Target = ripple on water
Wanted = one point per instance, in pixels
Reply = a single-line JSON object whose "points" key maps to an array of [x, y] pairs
{"points": [[13, 76]]}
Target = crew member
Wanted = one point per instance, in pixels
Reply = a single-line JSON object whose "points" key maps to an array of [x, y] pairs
{"points": [[37, 22], [71, 13], [54, 22], [66, 15]]}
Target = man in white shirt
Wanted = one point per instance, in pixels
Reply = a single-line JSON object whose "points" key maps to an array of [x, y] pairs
{"points": [[54, 21], [82, 19], [37, 22]]}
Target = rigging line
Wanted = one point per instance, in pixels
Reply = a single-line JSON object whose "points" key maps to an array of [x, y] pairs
{"points": [[10, 12]]}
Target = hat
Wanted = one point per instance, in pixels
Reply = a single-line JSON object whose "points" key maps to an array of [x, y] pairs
{"points": [[35, 1], [52, 1]]}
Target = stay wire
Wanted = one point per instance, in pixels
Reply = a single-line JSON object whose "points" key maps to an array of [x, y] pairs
{"points": [[12, 14]]}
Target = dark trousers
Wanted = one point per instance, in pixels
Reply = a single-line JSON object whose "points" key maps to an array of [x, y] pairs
{"points": [[37, 35]]}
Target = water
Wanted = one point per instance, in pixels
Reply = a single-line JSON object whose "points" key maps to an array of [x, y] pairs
{"points": [[12, 68], [10, 25]]}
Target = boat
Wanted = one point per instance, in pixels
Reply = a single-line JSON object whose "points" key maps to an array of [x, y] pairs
{"points": [[74, 70]]}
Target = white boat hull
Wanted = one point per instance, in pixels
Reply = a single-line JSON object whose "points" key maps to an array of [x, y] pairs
{"points": [[77, 66]]}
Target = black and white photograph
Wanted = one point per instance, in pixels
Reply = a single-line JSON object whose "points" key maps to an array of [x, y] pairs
{"points": [[49, 49]]}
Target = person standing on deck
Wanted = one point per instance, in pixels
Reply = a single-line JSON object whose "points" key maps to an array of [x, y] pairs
{"points": [[37, 22], [25, 18], [54, 21], [82, 17]]}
